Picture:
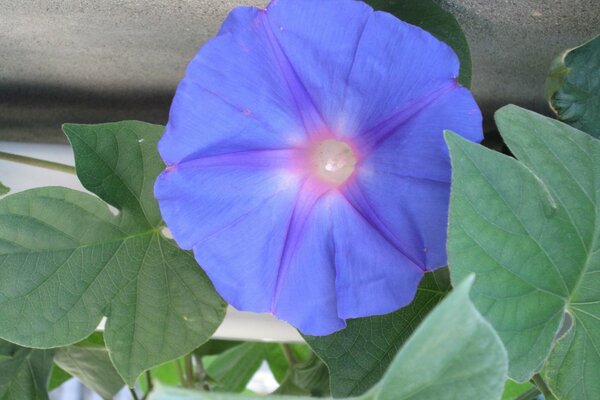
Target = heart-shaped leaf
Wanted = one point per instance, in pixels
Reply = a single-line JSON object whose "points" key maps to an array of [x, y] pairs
{"points": [[67, 260], [530, 231]]}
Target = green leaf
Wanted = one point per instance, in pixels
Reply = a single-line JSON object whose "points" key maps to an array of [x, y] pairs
{"points": [[233, 369], [89, 362], [214, 347], [25, 374], [166, 393], [359, 355], [573, 87], [428, 15], [529, 229], [3, 189], [512, 390], [58, 376], [454, 354], [278, 362], [67, 260]]}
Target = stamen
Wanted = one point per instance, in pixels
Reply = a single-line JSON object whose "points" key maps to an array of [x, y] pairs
{"points": [[332, 161]]}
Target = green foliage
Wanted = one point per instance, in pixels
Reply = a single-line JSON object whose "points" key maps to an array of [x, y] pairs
{"points": [[428, 15], [529, 229], [359, 355], [58, 376], [233, 368], [24, 373], [67, 260], [89, 362], [3, 189], [512, 390], [454, 354], [573, 87]]}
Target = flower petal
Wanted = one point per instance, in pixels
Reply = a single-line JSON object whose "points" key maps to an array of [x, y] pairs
{"points": [[361, 67], [406, 180], [239, 93], [306, 292], [204, 200], [373, 276]]}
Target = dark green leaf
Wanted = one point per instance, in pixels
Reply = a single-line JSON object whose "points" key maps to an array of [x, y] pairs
{"points": [[67, 260], [428, 15], [530, 230], [214, 347], [25, 373], [573, 87], [359, 355], [313, 376], [89, 362]]}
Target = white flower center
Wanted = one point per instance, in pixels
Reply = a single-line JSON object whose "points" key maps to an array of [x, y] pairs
{"points": [[332, 161]]}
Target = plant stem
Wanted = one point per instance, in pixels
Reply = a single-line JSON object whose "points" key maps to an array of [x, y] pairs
{"points": [[149, 385], [289, 354], [134, 395], [37, 162], [180, 373], [539, 382], [189, 371]]}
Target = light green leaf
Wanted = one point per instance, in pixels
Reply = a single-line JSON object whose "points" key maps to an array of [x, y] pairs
{"points": [[453, 354], [3, 189], [428, 15], [573, 87], [359, 355], [529, 229], [67, 260], [512, 390], [25, 374], [233, 369], [58, 376], [166, 393], [89, 362]]}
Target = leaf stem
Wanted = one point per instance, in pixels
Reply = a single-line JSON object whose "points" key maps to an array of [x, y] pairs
{"points": [[539, 382], [189, 371], [37, 162], [289, 354], [149, 385], [134, 395]]}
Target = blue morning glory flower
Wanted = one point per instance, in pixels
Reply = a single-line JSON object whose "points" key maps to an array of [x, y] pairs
{"points": [[306, 165]]}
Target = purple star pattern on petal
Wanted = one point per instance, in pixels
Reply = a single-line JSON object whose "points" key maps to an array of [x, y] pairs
{"points": [[306, 165]]}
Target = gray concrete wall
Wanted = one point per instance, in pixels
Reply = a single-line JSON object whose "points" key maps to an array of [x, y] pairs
{"points": [[106, 60]]}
